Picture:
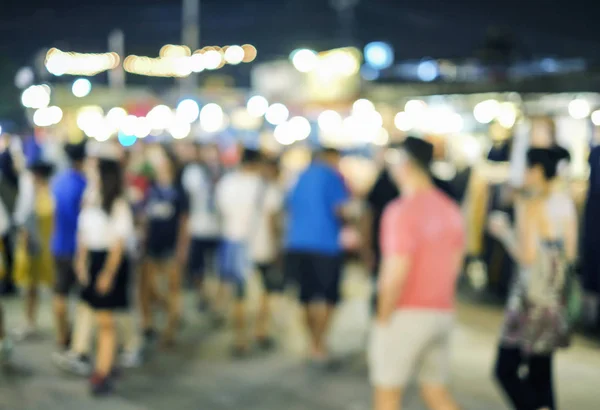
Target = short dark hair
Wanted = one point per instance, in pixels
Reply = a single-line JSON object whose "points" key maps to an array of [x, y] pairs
{"points": [[251, 156], [544, 157]]}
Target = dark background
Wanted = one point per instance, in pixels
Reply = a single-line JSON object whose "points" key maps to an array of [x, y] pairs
{"points": [[416, 28]]}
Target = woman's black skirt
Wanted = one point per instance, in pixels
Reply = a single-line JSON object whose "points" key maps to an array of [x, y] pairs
{"points": [[117, 297]]}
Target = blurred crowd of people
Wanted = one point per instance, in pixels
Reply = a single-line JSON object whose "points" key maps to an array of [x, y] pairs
{"points": [[122, 231]]}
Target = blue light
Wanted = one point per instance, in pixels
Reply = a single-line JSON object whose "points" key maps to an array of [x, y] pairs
{"points": [[379, 55], [369, 73], [428, 70], [126, 140], [549, 65]]}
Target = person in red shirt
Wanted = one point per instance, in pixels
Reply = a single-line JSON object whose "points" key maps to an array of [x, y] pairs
{"points": [[422, 241]]}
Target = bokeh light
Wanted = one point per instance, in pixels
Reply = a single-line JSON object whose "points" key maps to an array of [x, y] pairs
{"points": [[160, 117], [486, 111], [81, 87], [257, 106], [234, 55], [115, 117], [212, 59], [362, 105], [579, 109], [284, 134], [330, 122], [379, 55], [126, 140], [45, 117], [428, 70], [250, 53], [304, 60], [277, 114], [212, 118], [188, 111], [180, 130], [403, 122], [300, 128], [596, 118], [36, 96]]}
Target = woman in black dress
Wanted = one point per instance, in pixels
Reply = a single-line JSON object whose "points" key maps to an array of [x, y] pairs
{"points": [[104, 229]]}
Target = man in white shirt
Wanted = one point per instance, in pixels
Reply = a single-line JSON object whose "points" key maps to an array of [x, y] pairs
{"points": [[199, 180], [238, 197]]}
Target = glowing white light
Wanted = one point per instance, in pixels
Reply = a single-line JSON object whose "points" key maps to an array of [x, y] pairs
{"points": [[58, 64], [379, 55], [143, 128], [160, 117], [284, 134], [579, 109], [330, 122], [415, 107], [343, 63], [212, 118], [277, 114], [455, 123], [129, 125], [115, 117], [507, 115], [36, 96], [362, 105], [234, 55], [486, 111], [0, 130], [81, 87], [596, 118], [180, 130], [382, 137], [212, 59], [403, 122], [197, 63], [304, 60], [89, 118], [188, 111], [257, 106], [300, 127], [45, 117]]}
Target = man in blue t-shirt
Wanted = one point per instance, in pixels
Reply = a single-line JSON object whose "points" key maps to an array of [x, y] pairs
{"points": [[67, 188], [315, 208]]}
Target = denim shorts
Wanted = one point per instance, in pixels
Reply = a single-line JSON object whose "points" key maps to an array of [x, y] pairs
{"points": [[234, 264]]}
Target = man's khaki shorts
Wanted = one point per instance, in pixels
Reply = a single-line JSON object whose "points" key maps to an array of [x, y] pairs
{"points": [[413, 342]]}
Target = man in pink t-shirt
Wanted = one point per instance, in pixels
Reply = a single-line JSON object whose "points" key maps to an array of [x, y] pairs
{"points": [[422, 242]]}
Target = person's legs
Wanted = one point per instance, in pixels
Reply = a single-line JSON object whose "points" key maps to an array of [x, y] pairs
{"points": [[271, 290], [239, 318], [174, 302], [145, 287], [541, 381], [31, 305], [77, 359], [387, 398], [64, 283], [105, 354], [129, 336], [506, 371], [7, 287]]}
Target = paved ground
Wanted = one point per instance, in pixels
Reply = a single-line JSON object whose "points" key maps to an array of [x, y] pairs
{"points": [[200, 375]]}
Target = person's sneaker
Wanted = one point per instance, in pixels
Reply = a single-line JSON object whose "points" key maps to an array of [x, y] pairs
{"points": [[73, 363], [25, 333], [100, 386], [6, 349], [130, 360]]}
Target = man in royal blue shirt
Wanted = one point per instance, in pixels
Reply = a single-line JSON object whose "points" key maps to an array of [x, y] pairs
{"points": [[67, 189], [313, 251]]}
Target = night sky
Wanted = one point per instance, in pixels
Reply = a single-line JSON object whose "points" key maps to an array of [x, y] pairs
{"points": [[417, 28]]}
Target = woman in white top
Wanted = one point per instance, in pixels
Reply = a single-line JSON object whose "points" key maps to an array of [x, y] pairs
{"points": [[104, 228]]}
